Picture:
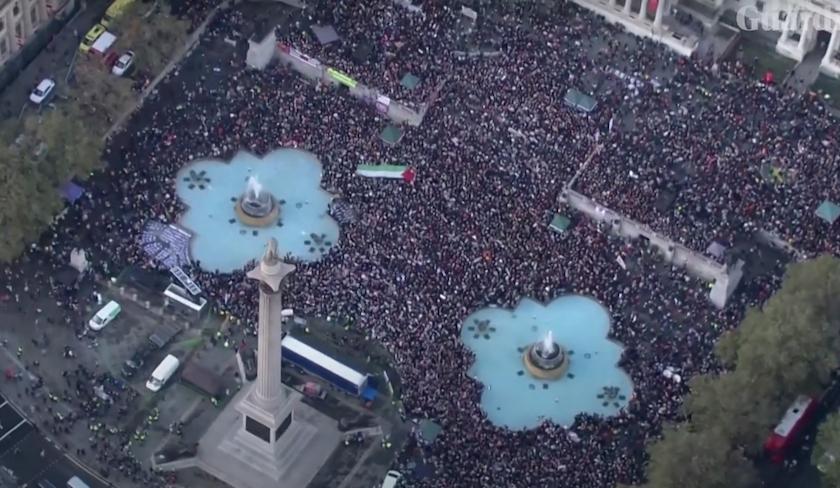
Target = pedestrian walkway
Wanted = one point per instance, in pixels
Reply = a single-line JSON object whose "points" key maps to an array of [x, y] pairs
{"points": [[30, 457]]}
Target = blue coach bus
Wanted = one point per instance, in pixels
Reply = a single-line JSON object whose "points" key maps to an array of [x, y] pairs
{"points": [[338, 374]]}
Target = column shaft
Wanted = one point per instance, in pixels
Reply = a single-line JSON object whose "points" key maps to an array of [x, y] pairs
{"points": [[660, 12], [803, 37], [832, 46], [643, 10], [269, 347]]}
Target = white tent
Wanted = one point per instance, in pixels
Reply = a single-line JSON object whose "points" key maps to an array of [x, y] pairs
{"points": [[78, 260]]}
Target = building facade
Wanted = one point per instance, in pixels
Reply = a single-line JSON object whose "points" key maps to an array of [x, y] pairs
{"points": [[802, 26], [22, 20]]}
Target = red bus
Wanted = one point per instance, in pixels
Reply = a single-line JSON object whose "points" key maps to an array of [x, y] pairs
{"points": [[787, 433]]}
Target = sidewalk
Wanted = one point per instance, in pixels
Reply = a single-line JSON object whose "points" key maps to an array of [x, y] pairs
{"points": [[15, 394], [34, 317]]}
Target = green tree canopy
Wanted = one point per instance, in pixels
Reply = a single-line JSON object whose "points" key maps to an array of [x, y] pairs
{"points": [[721, 403], [826, 455], [790, 346], [72, 150], [785, 349], [28, 202], [703, 459]]}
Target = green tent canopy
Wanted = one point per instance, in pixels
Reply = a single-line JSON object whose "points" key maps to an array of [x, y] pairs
{"points": [[772, 174], [429, 431], [409, 81], [560, 223], [579, 100], [828, 211], [391, 134]]}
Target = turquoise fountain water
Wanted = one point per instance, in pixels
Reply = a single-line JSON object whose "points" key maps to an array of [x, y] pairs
{"points": [[512, 397], [211, 188]]}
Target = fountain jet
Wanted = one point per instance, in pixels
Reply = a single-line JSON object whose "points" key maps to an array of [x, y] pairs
{"points": [[546, 359], [254, 187], [256, 207]]}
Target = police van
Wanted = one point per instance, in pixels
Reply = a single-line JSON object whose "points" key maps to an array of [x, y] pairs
{"points": [[163, 372], [105, 315]]}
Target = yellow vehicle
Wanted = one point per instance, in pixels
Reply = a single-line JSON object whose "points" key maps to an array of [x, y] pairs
{"points": [[115, 11], [91, 37]]}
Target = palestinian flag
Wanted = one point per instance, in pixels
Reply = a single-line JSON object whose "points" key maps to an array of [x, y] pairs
{"points": [[394, 171]]}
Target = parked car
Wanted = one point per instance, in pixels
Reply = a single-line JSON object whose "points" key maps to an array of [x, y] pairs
{"points": [[249, 360], [138, 359], [91, 37], [163, 335], [123, 64], [42, 92]]}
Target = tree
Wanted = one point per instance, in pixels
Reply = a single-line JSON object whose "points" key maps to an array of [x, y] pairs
{"points": [[786, 348], [72, 150], [703, 459], [153, 37], [102, 95], [28, 202], [735, 405], [826, 455], [789, 346]]}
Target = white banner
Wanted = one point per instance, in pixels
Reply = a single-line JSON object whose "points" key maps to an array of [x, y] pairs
{"points": [[382, 103], [304, 58]]}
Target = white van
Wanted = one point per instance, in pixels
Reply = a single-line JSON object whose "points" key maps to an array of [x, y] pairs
{"points": [[105, 315], [76, 482], [391, 479], [163, 372]]}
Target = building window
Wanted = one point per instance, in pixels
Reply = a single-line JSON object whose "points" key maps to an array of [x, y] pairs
{"points": [[759, 6], [4, 48], [33, 14], [782, 15], [18, 31], [2, 25], [16, 10]]}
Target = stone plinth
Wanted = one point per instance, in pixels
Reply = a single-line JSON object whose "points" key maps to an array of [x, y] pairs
{"points": [[231, 455]]}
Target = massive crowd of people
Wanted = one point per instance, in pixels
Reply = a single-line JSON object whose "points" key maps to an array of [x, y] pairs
{"points": [[491, 156], [380, 43]]}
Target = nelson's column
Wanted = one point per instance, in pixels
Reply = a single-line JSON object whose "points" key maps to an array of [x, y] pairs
{"points": [[266, 437]]}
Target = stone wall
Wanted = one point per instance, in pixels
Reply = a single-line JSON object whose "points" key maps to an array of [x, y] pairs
{"points": [[261, 53], [723, 279], [316, 71]]}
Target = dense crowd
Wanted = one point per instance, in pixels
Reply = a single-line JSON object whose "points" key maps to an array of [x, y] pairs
{"points": [[380, 42], [491, 157]]}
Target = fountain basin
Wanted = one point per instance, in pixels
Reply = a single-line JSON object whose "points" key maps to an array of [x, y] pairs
{"points": [[226, 238], [589, 381]]}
